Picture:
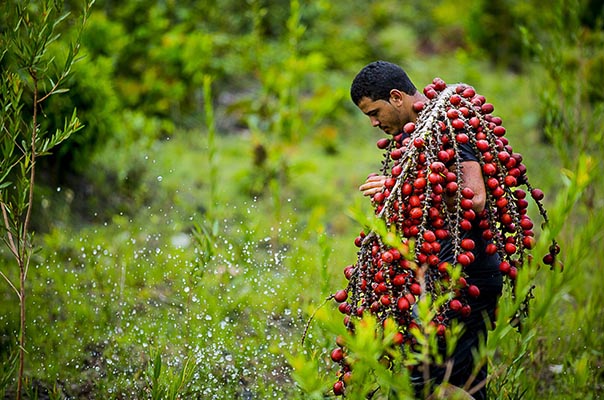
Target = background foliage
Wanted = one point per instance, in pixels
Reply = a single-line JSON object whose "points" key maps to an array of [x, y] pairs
{"points": [[187, 233]]}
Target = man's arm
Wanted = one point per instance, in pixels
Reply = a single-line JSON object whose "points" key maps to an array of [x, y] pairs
{"points": [[473, 179]]}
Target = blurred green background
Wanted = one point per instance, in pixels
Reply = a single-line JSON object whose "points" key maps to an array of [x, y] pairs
{"points": [[205, 210]]}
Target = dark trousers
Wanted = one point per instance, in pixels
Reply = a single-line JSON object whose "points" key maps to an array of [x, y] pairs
{"points": [[476, 327]]}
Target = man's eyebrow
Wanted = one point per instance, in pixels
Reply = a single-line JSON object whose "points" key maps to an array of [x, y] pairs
{"points": [[372, 111]]}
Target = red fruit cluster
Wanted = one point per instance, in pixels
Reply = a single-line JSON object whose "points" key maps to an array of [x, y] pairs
{"points": [[425, 202]]}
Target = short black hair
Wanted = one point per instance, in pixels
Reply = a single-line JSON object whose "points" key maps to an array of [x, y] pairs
{"points": [[377, 79]]}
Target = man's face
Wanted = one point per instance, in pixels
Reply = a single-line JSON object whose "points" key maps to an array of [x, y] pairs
{"points": [[390, 116]]}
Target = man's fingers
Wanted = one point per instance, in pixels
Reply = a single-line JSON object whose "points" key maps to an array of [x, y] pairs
{"points": [[372, 185]]}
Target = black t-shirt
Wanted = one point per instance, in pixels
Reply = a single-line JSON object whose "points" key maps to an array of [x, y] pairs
{"points": [[485, 268]]}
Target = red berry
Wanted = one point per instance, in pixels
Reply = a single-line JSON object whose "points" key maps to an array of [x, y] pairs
{"points": [[458, 124], [437, 167], [467, 193], [414, 201], [379, 197], [466, 310], [452, 114], [403, 304], [415, 289], [451, 187], [430, 93], [409, 127], [492, 183], [497, 191], [468, 93], [466, 204], [473, 291], [510, 248], [338, 388], [345, 308], [487, 108], [464, 259], [441, 234], [455, 305], [398, 338], [467, 244], [397, 170], [491, 249], [439, 84], [396, 154], [416, 213], [496, 120], [420, 183], [358, 241], [341, 296], [526, 223], [381, 288], [499, 131], [399, 280], [443, 156], [383, 143], [455, 99], [501, 202], [549, 259], [429, 236], [469, 214], [348, 271], [489, 169], [509, 181], [418, 142], [337, 354], [554, 248], [504, 267], [482, 145], [487, 234], [462, 138], [537, 194], [528, 242], [441, 329], [418, 106], [465, 225]]}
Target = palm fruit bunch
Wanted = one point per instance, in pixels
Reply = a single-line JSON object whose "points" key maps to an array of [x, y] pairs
{"points": [[425, 202]]}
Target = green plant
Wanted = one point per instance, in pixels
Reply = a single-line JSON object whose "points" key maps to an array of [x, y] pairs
{"points": [[29, 78], [570, 56], [166, 382]]}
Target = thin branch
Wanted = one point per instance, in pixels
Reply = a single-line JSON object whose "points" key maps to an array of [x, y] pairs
{"points": [[52, 90], [312, 317], [11, 243], [32, 172], [10, 283]]}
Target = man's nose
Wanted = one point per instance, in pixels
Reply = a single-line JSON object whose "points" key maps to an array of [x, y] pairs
{"points": [[374, 122]]}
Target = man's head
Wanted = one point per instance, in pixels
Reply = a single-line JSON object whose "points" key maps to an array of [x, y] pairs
{"points": [[384, 92], [377, 79]]}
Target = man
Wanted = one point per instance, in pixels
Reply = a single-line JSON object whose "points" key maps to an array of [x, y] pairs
{"points": [[384, 92]]}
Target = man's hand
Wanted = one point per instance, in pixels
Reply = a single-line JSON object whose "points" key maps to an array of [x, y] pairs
{"points": [[373, 184]]}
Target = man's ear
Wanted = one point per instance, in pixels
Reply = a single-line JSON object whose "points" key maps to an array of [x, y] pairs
{"points": [[396, 97]]}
